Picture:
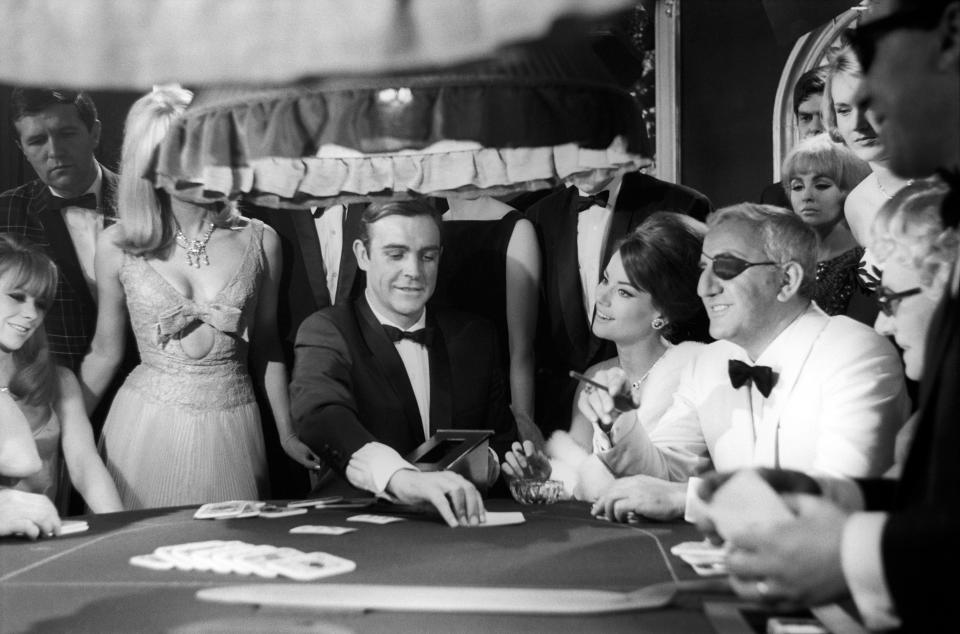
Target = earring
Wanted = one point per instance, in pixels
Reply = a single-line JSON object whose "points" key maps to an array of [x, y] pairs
{"points": [[658, 323]]}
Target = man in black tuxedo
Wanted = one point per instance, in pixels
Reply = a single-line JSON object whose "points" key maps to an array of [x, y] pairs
{"points": [[64, 209], [577, 236], [376, 376], [883, 541]]}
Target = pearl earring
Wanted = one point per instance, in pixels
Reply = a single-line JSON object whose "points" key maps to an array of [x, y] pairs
{"points": [[658, 323]]}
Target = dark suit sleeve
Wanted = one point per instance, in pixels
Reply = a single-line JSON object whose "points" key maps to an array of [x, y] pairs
{"points": [[914, 543], [322, 405]]}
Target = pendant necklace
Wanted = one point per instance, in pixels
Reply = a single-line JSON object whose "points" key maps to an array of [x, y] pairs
{"points": [[636, 384], [196, 249]]}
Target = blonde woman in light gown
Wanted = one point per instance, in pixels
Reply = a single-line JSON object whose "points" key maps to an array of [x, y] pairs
{"points": [[199, 284]]}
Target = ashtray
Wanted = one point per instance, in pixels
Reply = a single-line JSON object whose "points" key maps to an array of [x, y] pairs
{"points": [[534, 491]]}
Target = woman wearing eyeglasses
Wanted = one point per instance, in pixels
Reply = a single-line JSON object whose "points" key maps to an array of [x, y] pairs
{"points": [[647, 304], [818, 174], [917, 255]]}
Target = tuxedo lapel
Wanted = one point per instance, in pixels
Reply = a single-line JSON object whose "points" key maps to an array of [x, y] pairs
{"points": [[441, 383], [312, 258], [63, 252], [802, 339], [388, 361], [347, 276], [569, 289], [107, 205]]}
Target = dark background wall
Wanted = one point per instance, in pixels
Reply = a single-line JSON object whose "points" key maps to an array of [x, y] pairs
{"points": [[729, 70]]}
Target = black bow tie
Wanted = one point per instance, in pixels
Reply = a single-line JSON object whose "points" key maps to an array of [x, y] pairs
{"points": [[586, 202], [742, 373], [950, 208], [87, 201], [424, 336]]}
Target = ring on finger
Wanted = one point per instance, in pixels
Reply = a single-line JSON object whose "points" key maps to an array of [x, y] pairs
{"points": [[763, 588]]}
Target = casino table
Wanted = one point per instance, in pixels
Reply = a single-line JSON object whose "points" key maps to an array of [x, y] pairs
{"points": [[84, 582]]}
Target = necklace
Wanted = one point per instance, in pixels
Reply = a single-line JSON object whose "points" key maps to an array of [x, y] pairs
{"points": [[636, 384], [196, 249], [883, 189]]}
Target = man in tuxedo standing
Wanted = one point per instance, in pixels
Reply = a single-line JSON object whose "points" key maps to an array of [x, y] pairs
{"points": [[589, 224], [64, 209], [375, 377], [318, 271], [879, 541]]}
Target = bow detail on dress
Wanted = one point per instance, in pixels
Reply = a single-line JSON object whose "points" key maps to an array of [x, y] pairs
{"points": [[226, 319]]}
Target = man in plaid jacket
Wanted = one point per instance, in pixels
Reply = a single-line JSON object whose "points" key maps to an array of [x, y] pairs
{"points": [[64, 209]]}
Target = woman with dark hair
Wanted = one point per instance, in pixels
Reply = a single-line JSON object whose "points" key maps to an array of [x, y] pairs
{"points": [[41, 407], [647, 304]]}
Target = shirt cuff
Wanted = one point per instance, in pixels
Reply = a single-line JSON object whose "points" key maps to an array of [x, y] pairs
{"points": [[695, 508], [371, 467], [862, 565], [843, 492]]}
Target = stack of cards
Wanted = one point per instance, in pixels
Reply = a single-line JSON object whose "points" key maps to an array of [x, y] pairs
{"points": [[229, 509], [705, 558], [241, 558]]}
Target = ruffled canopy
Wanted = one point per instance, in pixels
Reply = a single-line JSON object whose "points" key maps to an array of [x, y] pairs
{"points": [[529, 118]]}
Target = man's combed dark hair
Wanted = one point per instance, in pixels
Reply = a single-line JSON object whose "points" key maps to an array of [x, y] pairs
{"points": [[29, 101], [809, 83], [409, 208], [29, 269]]}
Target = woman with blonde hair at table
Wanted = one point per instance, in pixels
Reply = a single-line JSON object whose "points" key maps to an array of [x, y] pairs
{"points": [[647, 304], [43, 424], [917, 255], [817, 175], [199, 283]]}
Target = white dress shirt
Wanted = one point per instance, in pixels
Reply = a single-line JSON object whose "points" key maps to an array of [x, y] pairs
{"points": [[371, 467], [330, 234], [593, 225], [84, 226]]}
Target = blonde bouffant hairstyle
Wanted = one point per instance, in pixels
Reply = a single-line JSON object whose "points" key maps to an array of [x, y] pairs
{"points": [[908, 228], [28, 269], [148, 224]]}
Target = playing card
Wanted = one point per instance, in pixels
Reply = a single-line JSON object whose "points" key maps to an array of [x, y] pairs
{"points": [[374, 519], [274, 510], [229, 509], [709, 570], [316, 529], [180, 555], [701, 548], [151, 561], [312, 566], [231, 559], [261, 560], [68, 527]]}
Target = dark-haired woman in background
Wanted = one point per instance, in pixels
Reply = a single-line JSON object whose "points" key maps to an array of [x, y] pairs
{"points": [[647, 304]]}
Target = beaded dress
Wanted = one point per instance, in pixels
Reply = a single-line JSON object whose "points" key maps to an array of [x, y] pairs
{"points": [[184, 430]]}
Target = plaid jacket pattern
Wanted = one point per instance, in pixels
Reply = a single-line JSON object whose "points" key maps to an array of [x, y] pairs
{"points": [[71, 320]]}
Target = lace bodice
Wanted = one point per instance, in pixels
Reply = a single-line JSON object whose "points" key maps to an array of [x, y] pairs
{"points": [[159, 313]]}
